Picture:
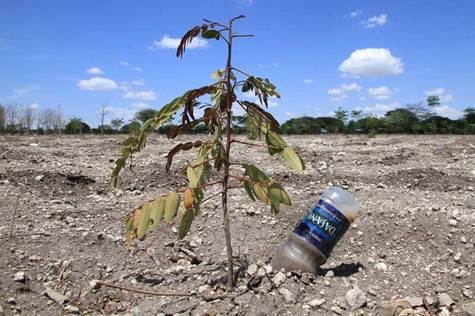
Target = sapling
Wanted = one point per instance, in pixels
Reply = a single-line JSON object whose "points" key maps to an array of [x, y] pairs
{"points": [[214, 165]]}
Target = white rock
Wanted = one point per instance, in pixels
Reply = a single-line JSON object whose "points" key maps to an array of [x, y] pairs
{"points": [[279, 278], [356, 298], [445, 300], [39, 178], [457, 257], [444, 312], [288, 296], [94, 284], [252, 269], [330, 274], [469, 309], [72, 309], [20, 277], [381, 266], [452, 222], [317, 302]]}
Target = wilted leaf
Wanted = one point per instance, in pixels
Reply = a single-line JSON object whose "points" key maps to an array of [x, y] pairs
{"points": [[129, 230], [157, 208], [171, 206], [185, 223], [142, 221], [293, 159], [261, 192], [217, 74], [188, 198], [254, 173], [278, 194], [192, 177]]}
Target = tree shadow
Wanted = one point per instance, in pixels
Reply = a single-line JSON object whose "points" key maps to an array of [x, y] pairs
{"points": [[342, 270]]}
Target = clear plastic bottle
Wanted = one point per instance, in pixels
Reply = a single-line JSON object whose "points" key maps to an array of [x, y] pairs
{"points": [[314, 237]]}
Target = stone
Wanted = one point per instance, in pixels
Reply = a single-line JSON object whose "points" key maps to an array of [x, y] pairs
{"points": [[20, 277], [279, 278], [289, 297], [444, 312], [56, 296], [72, 309], [252, 269], [39, 178], [381, 266], [317, 302], [415, 301], [467, 293], [355, 298], [445, 300], [469, 309], [457, 257], [244, 299], [330, 274], [452, 222], [94, 284], [2, 313], [337, 310]]}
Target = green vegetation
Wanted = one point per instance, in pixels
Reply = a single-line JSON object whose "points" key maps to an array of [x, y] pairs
{"points": [[214, 165]]}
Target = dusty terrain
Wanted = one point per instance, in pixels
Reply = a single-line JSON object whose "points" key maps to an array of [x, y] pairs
{"points": [[415, 236]]}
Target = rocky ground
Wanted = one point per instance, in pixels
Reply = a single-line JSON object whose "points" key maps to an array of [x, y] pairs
{"points": [[414, 238]]}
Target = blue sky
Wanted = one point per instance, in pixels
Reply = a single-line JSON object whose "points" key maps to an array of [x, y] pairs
{"points": [[369, 55]]}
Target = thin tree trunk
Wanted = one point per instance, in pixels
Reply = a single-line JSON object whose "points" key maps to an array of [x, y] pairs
{"points": [[224, 202]]}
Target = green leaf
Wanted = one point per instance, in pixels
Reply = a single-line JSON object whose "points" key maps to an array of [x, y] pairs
{"points": [[185, 223], [254, 173], [278, 144], [157, 208], [277, 193], [293, 159], [248, 188], [211, 34], [142, 221], [171, 206]]}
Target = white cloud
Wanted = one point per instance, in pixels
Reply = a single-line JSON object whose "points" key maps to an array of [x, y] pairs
{"points": [[246, 3], [94, 71], [124, 113], [354, 14], [377, 20], [136, 68], [274, 64], [124, 63], [98, 84], [445, 110], [140, 95], [380, 109], [138, 82], [372, 62], [381, 93], [440, 92], [25, 90], [290, 114], [340, 93], [307, 80], [170, 42], [34, 105], [140, 106]]}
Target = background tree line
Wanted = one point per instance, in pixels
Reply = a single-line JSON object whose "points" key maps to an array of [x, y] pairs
{"points": [[418, 118]]}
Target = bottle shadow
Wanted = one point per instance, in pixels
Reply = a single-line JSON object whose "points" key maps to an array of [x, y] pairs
{"points": [[342, 270]]}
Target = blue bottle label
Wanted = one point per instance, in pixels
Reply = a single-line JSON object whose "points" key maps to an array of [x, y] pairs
{"points": [[323, 227]]}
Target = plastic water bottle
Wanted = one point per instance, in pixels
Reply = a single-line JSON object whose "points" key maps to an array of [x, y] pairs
{"points": [[314, 237]]}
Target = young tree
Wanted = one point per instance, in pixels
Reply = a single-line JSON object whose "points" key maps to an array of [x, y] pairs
{"points": [[433, 101], [27, 118], [2, 118], [145, 114], [341, 116], [117, 123], [12, 120], [215, 165], [356, 115], [469, 115], [105, 110], [75, 125]]}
